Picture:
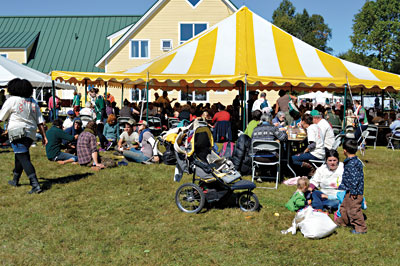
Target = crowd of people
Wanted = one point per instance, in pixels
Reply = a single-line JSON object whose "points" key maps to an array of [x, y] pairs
{"points": [[334, 185]]}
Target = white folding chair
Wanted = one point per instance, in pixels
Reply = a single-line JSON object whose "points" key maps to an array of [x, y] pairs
{"points": [[363, 139], [85, 119], [264, 149], [155, 125], [338, 141], [393, 137], [373, 134], [172, 122], [350, 132], [336, 130]]}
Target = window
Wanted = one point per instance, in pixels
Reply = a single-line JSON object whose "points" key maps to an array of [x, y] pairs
{"points": [[39, 94], [138, 95], [194, 3], [3, 55], [194, 96], [189, 30], [140, 49], [166, 45]]}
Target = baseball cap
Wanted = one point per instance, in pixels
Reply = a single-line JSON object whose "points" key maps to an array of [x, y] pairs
{"points": [[143, 122], [70, 112], [131, 122], [315, 113]]}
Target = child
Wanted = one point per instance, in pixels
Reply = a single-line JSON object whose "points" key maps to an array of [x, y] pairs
{"points": [[353, 184], [298, 200]]}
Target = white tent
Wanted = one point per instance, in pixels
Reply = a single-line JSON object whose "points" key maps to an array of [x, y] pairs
{"points": [[320, 97], [10, 69]]}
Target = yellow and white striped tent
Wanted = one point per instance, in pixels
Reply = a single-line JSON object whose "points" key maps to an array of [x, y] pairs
{"points": [[247, 47]]}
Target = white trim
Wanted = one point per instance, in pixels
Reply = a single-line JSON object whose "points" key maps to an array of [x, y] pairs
{"points": [[6, 54], [105, 65], [193, 96], [141, 22], [120, 32], [140, 46], [26, 58], [194, 6], [161, 45], [132, 30], [190, 22], [222, 92]]}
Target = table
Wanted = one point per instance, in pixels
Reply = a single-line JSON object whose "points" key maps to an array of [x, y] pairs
{"points": [[293, 145]]}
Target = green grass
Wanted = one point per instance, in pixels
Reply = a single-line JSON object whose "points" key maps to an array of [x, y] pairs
{"points": [[127, 216]]}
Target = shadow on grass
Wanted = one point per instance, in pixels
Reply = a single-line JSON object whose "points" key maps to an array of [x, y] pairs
{"points": [[227, 202], [47, 183]]}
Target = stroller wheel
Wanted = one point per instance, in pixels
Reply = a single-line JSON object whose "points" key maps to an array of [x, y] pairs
{"points": [[190, 198], [248, 202]]}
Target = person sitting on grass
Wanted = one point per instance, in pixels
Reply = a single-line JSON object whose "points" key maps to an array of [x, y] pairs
{"points": [[55, 135], [68, 122], [111, 131], [327, 178], [298, 199], [76, 129], [148, 151], [129, 138], [87, 147], [353, 184]]}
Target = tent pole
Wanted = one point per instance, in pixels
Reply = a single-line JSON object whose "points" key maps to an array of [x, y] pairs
{"points": [[85, 90], [122, 94], [147, 98], [105, 89], [345, 105], [383, 100], [362, 97], [245, 104], [53, 92]]}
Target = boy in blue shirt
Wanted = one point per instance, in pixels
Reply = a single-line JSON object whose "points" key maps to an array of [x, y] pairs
{"points": [[353, 184]]}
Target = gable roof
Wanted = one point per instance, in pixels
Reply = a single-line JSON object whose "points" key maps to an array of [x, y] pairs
{"points": [[153, 9], [71, 43]]}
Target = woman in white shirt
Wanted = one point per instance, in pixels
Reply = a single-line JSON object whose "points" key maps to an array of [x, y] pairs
{"points": [[24, 118], [327, 179]]}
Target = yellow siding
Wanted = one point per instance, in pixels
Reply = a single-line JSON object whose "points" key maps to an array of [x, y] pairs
{"points": [[16, 55], [165, 25]]}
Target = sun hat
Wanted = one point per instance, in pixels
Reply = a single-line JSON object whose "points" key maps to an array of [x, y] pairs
{"points": [[142, 122], [131, 122], [315, 113]]}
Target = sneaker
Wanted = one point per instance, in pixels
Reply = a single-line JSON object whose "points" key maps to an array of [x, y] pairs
{"points": [[357, 233]]}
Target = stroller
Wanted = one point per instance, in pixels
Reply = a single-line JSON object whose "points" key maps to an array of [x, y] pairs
{"points": [[214, 178]]}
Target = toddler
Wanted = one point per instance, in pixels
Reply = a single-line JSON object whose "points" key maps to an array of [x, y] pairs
{"points": [[298, 200]]}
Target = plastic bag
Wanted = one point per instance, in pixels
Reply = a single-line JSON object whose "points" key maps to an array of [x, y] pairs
{"points": [[312, 224]]}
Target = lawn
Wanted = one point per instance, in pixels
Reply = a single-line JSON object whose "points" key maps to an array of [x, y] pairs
{"points": [[127, 216]]}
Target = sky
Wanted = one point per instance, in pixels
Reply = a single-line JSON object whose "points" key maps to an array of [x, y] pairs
{"points": [[338, 14]]}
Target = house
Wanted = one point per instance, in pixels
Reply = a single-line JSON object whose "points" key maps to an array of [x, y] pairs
{"points": [[112, 43]]}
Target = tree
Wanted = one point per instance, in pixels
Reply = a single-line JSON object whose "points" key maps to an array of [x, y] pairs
{"points": [[376, 35], [311, 30]]}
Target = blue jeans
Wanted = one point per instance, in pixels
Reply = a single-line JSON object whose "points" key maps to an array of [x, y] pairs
{"points": [[319, 203], [65, 156], [51, 118], [21, 145], [299, 159], [135, 155]]}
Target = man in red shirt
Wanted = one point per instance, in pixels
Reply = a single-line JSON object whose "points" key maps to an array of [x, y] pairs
{"points": [[222, 115]]}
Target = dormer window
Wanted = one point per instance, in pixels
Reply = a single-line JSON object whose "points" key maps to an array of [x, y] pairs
{"points": [[194, 3]]}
